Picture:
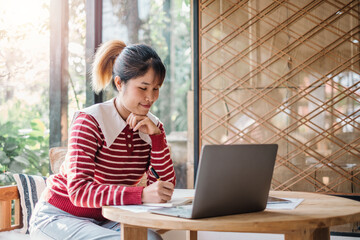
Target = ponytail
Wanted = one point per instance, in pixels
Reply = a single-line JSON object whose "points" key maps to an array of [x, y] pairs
{"points": [[103, 64]]}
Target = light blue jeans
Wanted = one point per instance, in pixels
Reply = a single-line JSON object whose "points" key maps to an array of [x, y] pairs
{"points": [[49, 222]]}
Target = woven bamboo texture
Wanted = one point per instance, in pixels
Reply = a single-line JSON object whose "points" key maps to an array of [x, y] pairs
{"points": [[285, 72]]}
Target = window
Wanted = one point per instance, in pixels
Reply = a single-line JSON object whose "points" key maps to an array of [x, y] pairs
{"points": [[24, 86], [164, 25]]}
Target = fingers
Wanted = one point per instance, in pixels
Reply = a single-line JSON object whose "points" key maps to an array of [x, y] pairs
{"points": [[133, 120], [139, 124], [158, 192], [142, 123], [167, 185], [166, 190]]}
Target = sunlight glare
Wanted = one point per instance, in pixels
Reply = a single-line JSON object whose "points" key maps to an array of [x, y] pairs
{"points": [[24, 47], [20, 12]]}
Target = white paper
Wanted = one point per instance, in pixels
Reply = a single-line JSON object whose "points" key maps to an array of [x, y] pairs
{"points": [[136, 208], [294, 202], [179, 197]]}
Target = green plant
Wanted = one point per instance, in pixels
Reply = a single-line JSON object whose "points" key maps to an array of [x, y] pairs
{"points": [[23, 150]]}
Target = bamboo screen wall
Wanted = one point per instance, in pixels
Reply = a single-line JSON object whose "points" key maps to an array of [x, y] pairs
{"points": [[285, 72]]}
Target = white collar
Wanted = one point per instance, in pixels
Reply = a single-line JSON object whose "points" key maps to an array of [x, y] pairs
{"points": [[110, 121]]}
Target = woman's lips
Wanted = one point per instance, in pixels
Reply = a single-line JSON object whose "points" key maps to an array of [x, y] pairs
{"points": [[145, 105]]}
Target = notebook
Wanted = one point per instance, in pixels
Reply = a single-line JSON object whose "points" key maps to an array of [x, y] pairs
{"points": [[231, 179], [174, 202]]}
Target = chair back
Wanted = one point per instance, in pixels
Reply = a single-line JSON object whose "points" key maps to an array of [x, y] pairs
{"points": [[57, 157]]}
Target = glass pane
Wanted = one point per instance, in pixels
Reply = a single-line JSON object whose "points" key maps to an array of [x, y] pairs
{"points": [[24, 87], [165, 26], [76, 57]]}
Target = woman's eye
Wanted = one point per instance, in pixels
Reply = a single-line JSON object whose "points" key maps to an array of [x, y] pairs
{"points": [[155, 89], [142, 88]]}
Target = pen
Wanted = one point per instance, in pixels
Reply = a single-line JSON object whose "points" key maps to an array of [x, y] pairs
{"points": [[155, 173]]}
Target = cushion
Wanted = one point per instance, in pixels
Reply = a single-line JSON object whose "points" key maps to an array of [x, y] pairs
{"points": [[14, 235], [30, 188]]}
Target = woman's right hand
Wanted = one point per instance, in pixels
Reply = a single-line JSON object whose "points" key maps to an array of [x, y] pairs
{"points": [[158, 192]]}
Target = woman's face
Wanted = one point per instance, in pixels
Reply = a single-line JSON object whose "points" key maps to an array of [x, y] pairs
{"points": [[139, 94]]}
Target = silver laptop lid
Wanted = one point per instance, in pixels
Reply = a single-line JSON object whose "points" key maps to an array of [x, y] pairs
{"points": [[233, 179]]}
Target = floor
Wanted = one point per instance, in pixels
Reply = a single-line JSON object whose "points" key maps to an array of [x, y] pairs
{"points": [[180, 235]]}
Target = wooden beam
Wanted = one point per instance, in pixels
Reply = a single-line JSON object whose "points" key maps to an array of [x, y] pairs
{"points": [[59, 32], [93, 40], [309, 234], [191, 235], [129, 232], [196, 82], [8, 193]]}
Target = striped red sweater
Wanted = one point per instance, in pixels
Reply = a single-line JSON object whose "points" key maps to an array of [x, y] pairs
{"points": [[95, 175]]}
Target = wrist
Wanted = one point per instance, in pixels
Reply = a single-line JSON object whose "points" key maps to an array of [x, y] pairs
{"points": [[158, 141], [157, 132]]}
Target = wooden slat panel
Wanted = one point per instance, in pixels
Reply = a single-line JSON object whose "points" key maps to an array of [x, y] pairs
{"points": [[17, 213], [5, 216], [285, 72], [8, 193]]}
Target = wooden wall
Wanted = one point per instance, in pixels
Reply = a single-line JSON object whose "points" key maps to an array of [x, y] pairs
{"points": [[285, 72]]}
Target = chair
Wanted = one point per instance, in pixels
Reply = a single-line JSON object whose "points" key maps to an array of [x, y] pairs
{"points": [[10, 199]]}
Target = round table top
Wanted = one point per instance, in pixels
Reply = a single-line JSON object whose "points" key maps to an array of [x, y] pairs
{"points": [[316, 211]]}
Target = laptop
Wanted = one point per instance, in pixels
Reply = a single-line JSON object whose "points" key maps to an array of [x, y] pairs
{"points": [[231, 179]]}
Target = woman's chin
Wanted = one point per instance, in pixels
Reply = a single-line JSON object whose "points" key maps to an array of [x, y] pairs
{"points": [[141, 112]]}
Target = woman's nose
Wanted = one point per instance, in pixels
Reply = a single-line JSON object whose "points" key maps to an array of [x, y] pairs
{"points": [[149, 97]]}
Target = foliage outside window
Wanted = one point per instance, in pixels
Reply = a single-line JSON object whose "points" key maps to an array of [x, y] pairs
{"points": [[76, 51], [24, 82]]}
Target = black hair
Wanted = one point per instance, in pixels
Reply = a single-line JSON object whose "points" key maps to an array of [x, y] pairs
{"points": [[135, 61], [113, 58]]}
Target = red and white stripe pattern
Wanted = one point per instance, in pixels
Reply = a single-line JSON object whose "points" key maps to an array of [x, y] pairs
{"points": [[94, 174]]}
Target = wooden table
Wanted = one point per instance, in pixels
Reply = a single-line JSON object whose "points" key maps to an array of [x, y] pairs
{"points": [[310, 220]]}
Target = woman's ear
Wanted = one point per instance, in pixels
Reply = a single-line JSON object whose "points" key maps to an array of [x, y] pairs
{"points": [[118, 83]]}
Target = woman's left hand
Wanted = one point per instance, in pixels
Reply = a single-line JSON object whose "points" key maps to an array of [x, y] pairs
{"points": [[143, 124]]}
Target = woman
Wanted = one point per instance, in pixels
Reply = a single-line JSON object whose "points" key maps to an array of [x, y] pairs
{"points": [[111, 146]]}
